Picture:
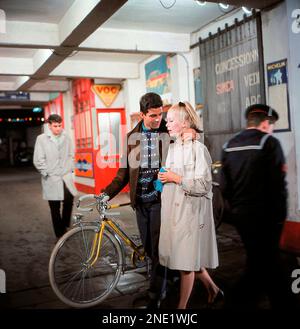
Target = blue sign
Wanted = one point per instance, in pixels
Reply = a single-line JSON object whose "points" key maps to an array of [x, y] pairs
{"points": [[277, 74], [14, 95]]}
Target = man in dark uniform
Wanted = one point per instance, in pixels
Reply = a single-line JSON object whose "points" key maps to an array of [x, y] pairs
{"points": [[253, 183]]}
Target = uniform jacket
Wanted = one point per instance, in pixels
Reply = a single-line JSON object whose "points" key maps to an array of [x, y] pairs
{"points": [[130, 161], [253, 175], [55, 162]]}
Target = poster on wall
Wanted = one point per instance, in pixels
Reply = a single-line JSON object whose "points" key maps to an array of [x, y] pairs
{"points": [[278, 93], [158, 78], [84, 165]]}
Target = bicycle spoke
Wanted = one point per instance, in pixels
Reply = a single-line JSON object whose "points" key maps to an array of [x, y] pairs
{"points": [[80, 286], [73, 281], [91, 282], [66, 275], [83, 246]]}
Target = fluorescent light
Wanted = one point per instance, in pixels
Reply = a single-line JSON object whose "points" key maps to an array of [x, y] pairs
{"points": [[223, 5], [247, 10], [201, 3]]}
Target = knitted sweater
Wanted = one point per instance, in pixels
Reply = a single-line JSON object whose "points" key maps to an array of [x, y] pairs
{"points": [[149, 167]]}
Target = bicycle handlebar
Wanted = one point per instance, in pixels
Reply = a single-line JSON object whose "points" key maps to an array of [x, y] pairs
{"points": [[98, 199], [85, 197]]}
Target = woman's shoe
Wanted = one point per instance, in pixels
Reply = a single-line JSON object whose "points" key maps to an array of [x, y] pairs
{"points": [[218, 297]]}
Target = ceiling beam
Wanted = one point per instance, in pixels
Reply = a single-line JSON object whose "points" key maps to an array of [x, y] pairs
{"points": [[21, 81], [51, 86], [23, 69], [77, 24], [96, 69], [90, 18], [30, 35], [137, 41], [7, 86], [112, 40], [16, 66]]}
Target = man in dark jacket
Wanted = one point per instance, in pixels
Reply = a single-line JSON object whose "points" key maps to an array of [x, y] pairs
{"points": [[147, 146], [253, 183]]}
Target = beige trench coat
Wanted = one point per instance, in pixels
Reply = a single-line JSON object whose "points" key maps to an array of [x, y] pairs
{"points": [[187, 237], [55, 162]]}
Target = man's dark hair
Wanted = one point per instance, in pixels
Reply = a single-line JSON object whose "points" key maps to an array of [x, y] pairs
{"points": [[255, 119], [54, 118], [257, 113], [150, 101]]}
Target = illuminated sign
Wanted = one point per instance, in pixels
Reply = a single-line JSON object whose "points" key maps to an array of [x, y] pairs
{"points": [[107, 93]]}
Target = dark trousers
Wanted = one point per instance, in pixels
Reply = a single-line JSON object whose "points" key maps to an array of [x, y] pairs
{"points": [[61, 221], [148, 220], [267, 271]]}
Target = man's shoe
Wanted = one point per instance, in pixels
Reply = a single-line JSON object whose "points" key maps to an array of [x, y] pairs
{"points": [[153, 304]]}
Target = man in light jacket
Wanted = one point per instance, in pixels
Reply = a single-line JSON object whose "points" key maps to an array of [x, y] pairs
{"points": [[53, 158]]}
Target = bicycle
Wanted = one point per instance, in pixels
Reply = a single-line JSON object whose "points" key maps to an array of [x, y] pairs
{"points": [[86, 263]]}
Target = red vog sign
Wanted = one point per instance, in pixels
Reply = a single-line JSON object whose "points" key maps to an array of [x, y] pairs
{"points": [[107, 93]]}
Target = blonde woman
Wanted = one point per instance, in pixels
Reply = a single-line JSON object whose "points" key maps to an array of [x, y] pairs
{"points": [[187, 237]]}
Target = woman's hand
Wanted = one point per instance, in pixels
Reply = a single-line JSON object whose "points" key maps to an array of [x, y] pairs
{"points": [[169, 177]]}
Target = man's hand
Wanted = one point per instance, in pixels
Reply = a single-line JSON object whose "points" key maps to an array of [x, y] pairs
{"points": [[103, 195], [169, 177], [190, 134]]}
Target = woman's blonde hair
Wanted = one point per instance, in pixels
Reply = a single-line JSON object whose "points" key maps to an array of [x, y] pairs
{"points": [[186, 113]]}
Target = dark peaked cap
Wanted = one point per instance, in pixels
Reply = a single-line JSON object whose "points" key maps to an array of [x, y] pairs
{"points": [[262, 108]]}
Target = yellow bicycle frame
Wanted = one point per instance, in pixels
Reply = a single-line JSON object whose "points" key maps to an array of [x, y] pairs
{"points": [[98, 240]]}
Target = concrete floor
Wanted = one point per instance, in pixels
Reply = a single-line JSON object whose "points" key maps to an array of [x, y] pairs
{"points": [[27, 239]]}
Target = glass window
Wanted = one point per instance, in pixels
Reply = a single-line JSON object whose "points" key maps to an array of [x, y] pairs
{"points": [[115, 123], [109, 133], [103, 124]]}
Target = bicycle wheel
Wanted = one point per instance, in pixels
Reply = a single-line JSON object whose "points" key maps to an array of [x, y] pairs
{"points": [[218, 205], [73, 282]]}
